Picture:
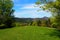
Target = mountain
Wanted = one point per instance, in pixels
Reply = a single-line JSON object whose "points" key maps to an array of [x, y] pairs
{"points": [[27, 20]]}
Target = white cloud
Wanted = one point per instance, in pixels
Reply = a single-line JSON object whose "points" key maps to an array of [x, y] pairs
{"points": [[27, 13], [29, 6], [31, 14], [28, 10]]}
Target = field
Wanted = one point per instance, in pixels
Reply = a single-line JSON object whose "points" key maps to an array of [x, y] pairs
{"points": [[29, 33]]}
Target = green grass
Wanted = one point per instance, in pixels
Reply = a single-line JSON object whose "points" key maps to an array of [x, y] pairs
{"points": [[28, 33]]}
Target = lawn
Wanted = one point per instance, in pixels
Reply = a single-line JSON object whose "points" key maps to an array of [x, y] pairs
{"points": [[29, 33]]}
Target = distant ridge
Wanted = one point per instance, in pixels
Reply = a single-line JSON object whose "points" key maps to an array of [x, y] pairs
{"points": [[29, 19]]}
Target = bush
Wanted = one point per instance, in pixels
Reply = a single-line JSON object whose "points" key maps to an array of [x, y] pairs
{"points": [[2, 26], [54, 25]]}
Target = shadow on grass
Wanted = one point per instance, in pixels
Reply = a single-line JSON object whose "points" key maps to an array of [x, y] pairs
{"points": [[5, 27], [55, 33]]}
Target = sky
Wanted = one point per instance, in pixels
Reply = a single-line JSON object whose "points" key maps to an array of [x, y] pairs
{"points": [[28, 9]]}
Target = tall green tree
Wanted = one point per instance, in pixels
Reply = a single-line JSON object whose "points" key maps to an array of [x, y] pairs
{"points": [[6, 13], [54, 7], [38, 22]]}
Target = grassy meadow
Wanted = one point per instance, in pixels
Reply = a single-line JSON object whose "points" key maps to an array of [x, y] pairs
{"points": [[29, 33], [26, 20]]}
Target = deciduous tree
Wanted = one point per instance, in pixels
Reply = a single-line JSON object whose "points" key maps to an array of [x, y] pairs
{"points": [[6, 13], [54, 7]]}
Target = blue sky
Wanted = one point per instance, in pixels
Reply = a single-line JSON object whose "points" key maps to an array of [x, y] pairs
{"points": [[27, 9]]}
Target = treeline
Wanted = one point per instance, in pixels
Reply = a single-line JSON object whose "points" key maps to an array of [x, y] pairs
{"points": [[45, 21]]}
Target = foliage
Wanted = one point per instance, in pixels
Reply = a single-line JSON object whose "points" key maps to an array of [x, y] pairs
{"points": [[54, 7], [34, 22], [44, 23], [39, 23], [6, 13]]}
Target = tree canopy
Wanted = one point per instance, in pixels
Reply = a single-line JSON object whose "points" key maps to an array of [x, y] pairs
{"points": [[6, 12], [53, 6]]}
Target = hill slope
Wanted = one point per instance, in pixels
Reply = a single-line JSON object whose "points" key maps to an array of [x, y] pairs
{"points": [[28, 33]]}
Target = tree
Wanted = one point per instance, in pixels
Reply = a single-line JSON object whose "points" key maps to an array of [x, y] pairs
{"points": [[54, 7], [44, 23], [6, 13], [48, 22], [38, 22], [34, 23]]}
